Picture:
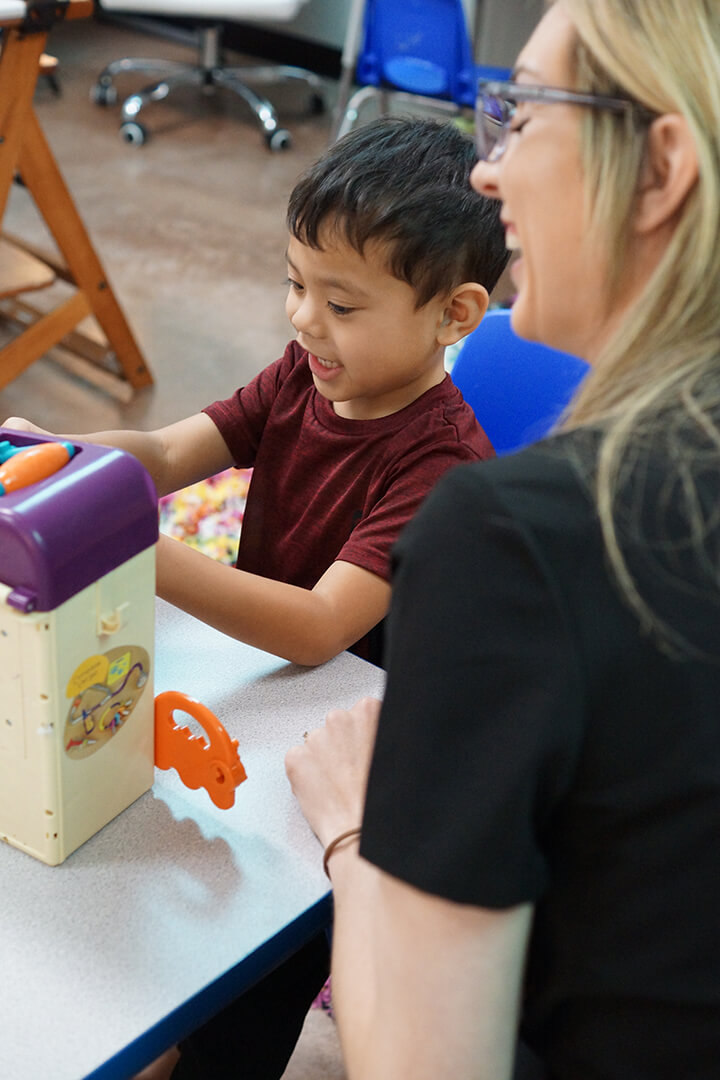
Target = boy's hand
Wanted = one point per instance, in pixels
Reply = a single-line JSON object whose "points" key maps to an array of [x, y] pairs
{"points": [[328, 773], [17, 423]]}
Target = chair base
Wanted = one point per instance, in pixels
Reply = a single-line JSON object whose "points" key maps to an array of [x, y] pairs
{"points": [[209, 73]]}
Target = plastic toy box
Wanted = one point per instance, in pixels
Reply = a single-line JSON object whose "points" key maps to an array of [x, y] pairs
{"points": [[77, 587]]}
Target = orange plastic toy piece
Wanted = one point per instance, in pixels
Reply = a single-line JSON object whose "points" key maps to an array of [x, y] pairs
{"points": [[215, 766], [32, 464]]}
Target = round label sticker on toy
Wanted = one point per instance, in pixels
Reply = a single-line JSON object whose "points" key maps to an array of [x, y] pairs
{"points": [[104, 690]]}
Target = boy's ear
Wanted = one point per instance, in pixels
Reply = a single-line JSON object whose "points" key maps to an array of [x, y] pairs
{"points": [[464, 310], [669, 173]]}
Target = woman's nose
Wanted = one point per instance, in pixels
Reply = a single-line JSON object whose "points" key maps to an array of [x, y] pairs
{"points": [[484, 178]]}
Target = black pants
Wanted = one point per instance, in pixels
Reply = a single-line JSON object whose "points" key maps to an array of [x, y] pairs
{"points": [[254, 1036]]}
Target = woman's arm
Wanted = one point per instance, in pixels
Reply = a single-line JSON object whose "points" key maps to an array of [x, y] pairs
{"points": [[422, 987]]}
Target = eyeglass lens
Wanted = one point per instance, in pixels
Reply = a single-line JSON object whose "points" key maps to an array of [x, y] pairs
{"points": [[492, 116]]}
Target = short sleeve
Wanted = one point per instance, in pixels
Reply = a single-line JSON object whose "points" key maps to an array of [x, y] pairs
{"points": [[241, 418], [403, 491], [482, 719]]}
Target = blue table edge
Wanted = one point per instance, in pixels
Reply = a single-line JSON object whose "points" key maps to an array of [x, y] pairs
{"points": [[214, 997]]}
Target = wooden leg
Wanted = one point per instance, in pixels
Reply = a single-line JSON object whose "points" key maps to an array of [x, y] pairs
{"points": [[45, 183], [23, 149], [19, 62], [34, 342]]}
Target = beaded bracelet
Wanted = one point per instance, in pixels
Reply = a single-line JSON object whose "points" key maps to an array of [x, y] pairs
{"points": [[334, 843]]}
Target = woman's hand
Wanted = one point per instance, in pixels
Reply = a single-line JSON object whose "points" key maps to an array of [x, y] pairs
{"points": [[328, 773]]}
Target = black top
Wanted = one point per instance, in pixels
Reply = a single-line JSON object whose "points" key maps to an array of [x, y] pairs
{"points": [[535, 745]]}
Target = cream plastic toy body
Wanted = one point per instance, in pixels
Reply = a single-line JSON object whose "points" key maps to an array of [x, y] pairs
{"points": [[80, 730], [77, 615]]}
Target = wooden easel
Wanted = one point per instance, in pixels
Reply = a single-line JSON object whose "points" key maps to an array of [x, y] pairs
{"points": [[24, 151]]}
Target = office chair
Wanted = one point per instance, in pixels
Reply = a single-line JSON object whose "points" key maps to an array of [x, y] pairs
{"points": [[516, 388], [415, 52], [208, 71]]}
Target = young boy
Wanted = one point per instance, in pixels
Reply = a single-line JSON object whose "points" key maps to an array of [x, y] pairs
{"points": [[390, 258]]}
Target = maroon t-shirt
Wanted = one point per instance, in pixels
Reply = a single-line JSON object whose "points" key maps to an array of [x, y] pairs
{"points": [[326, 488]]}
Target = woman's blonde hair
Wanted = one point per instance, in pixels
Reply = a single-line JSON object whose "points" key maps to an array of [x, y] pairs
{"points": [[658, 380]]}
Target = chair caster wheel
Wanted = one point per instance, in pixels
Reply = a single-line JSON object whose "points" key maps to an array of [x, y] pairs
{"points": [[279, 140], [102, 94], [317, 105], [133, 132]]}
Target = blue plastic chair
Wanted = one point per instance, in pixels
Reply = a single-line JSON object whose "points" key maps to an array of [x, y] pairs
{"points": [[516, 388], [416, 48]]}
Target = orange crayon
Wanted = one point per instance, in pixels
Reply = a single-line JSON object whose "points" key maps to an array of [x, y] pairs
{"points": [[33, 464]]}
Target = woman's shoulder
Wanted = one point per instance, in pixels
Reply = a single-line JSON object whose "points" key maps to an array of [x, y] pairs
{"points": [[532, 512], [547, 482]]}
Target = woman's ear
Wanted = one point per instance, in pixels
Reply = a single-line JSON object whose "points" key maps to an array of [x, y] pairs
{"points": [[463, 311], [669, 173]]}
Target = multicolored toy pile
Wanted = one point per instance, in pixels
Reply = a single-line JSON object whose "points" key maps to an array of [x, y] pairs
{"points": [[208, 515]]}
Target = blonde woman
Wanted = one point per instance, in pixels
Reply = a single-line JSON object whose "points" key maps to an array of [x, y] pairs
{"points": [[537, 883]]}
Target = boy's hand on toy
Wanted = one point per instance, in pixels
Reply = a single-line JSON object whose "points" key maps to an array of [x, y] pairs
{"points": [[17, 423]]}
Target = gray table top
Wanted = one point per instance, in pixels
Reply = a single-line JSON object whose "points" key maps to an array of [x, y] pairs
{"points": [[113, 955]]}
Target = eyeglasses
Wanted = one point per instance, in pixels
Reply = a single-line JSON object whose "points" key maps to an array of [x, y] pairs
{"points": [[497, 102]]}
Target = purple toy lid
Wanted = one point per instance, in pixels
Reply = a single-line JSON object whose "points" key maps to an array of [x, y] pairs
{"points": [[60, 534]]}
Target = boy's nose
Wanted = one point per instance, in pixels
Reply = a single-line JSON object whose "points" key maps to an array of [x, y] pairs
{"points": [[306, 318]]}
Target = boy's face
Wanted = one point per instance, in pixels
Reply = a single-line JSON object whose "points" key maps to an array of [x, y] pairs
{"points": [[370, 352]]}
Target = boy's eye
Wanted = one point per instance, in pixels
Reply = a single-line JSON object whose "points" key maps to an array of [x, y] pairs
{"points": [[295, 285], [339, 309]]}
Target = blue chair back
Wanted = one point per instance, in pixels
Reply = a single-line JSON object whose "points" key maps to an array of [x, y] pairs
{"points": [[516, 388], [420, 47]]}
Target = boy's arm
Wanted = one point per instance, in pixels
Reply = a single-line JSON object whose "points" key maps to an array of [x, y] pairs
{"points": [[305, 626], [175, 456]]}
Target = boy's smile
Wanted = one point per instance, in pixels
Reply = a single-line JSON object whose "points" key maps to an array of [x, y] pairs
{"points": [[323, 369], [370, 351]]}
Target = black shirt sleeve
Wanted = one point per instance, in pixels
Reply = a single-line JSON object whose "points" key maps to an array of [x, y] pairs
{"points": [[483, 716]]}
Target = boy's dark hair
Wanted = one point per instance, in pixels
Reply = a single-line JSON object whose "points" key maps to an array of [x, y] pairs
{"points": [[405, 182]]}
